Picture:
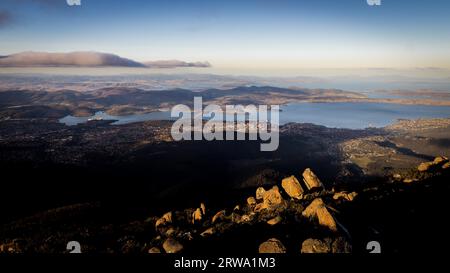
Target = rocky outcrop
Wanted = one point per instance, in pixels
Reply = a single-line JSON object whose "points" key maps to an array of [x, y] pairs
{"points": [[272, 246], [301, 217], [311, 181], [292, 187], [172, 246], [318, 211], [266, 216]]}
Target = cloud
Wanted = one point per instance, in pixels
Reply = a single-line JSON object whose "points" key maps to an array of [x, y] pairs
{"points": [[89, 59], [175, 63], [5, 18], [85, 59]]}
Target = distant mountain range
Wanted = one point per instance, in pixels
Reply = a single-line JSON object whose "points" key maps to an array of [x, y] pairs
{"points": [[124, 100], [86, 59]]}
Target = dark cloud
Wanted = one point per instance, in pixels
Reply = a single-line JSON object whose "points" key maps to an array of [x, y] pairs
{"points": [[5, 18], [176, 63], [90, 59]]}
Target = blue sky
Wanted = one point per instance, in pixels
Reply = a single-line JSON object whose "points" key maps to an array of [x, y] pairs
{"points": [[244, 34]]}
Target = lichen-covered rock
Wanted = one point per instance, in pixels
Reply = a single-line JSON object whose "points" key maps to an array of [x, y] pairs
{"points": [[292, 187], [272, 246]]}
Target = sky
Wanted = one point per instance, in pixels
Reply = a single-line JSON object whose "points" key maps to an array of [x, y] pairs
{"points": [[242, 35]]}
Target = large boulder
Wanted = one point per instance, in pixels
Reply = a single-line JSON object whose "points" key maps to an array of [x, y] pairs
{"points": [[172, 246], [318, 211], [272, 246], [292, 187], [311, 181], [315, 246]]}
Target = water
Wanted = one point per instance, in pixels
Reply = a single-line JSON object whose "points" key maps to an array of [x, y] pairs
{"points": [[358, 115], [334, 115], [118, 120]]}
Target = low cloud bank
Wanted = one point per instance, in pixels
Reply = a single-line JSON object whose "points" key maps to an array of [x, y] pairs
{"points": [[176, 63], [86, 59]]}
